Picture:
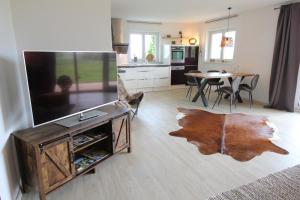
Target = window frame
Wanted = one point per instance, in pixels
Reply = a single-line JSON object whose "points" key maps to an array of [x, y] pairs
{"points": [[209, 42], [143, 33]]}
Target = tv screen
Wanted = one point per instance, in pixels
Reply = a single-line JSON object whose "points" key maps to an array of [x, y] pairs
{"points": [[65, 83]]}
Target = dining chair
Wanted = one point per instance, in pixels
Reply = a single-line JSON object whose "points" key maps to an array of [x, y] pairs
{"points": [[213, 82], [229, 90], [250, 88], [191, 82]]}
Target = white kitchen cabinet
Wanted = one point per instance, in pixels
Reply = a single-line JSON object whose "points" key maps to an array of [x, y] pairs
{"points": [[162, 82], [161, 72], [145, 73], [146, 78], [129, 74]]}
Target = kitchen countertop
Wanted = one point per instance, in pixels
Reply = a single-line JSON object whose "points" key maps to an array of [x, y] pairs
{"points": [[135, 65]]}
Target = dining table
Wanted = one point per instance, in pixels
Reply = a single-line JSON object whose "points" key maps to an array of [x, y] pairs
{"points": [[202, 79]]}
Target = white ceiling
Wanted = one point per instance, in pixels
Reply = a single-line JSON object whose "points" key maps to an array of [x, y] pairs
{"points": [[183, 10]]}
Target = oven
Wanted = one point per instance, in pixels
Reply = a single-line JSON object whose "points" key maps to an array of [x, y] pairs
{"points": [[184, 59], [177, 54]]}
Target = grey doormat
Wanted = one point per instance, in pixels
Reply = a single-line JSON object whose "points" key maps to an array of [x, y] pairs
{"points": [[284, 185]]}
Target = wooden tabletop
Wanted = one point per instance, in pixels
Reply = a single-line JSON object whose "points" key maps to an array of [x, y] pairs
{"points": [[210, 75]]}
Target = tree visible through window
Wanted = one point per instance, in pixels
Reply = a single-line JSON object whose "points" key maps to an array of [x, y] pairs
{"points": [[143, 44]]}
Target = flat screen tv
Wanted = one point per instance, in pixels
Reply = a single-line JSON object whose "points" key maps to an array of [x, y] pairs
{"points": [[66, 83]]}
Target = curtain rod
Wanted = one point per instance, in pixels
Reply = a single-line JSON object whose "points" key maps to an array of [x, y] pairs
{"points": [[220, 19], [143, 22], [277, 8]]}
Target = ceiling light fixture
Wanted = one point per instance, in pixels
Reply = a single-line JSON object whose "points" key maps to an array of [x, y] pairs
{"points": [[227, 41]]}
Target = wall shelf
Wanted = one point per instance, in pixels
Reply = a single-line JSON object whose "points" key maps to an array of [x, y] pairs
{"points": [[173, 38]]}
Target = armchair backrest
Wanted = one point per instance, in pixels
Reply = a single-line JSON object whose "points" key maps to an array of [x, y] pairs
{"points": [[122, 92]]}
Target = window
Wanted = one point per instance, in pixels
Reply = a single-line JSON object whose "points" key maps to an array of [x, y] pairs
{"points": [[215, 52], [142, 44]]}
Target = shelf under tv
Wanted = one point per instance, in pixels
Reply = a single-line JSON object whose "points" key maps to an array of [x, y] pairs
{"points": [[92, 147], [84, 146], [92, 166]]}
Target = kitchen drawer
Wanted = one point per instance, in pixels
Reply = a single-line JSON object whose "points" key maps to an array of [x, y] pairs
{"points": [[161, 72], [127, 74], [145, 83], [144, 74], [129, 70], [162, 82], [144, 69]]}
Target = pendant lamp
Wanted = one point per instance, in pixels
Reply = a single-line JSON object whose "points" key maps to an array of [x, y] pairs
{"points": [[227, 41]]}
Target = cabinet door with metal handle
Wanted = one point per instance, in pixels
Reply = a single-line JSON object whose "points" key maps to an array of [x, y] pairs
{"points": [[56, 163]]}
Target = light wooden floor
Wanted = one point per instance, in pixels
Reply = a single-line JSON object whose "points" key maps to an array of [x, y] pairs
{"points": [[169, 168]]}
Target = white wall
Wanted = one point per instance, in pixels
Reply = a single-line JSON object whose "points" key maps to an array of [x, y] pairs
{"points": [[256, 31], [11, 106], [61, 25], [44, 25], [188, 29]]}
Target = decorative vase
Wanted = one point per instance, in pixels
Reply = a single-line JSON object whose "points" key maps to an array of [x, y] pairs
{"points": [[150, 57]]}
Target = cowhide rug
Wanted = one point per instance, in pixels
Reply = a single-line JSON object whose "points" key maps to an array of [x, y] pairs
{"points": [[240, 136]]}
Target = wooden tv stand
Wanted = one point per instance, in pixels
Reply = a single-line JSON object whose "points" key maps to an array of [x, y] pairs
{"points": [[48, 157]]}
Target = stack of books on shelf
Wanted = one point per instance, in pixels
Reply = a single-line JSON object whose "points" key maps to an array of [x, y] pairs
{"points": [[87, 158], [82, 163], [84, 139], [81, 140], [97, 136]]}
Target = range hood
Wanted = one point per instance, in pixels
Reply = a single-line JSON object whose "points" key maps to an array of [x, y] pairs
{"points": [[118, 43]]}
